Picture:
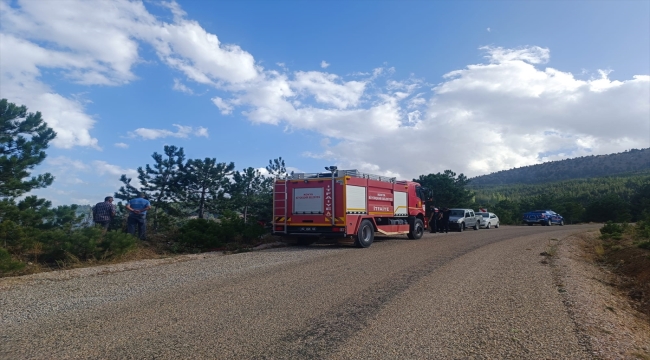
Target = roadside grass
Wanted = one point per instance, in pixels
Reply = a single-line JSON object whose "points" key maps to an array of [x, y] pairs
{"points": [[624, 249], [157, 246], [551, 250]]}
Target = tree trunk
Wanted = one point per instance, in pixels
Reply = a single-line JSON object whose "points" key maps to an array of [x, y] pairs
{"points": [[202, 204]]}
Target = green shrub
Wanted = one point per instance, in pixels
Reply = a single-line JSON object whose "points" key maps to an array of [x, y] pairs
{"points": [[84, 244], [200, 233], [13, 237], [230, 228], [234, 229], [80, 243], [644, 245], [7, 264], [642, 228], [612, 231], [252, 232], [117, 243]]}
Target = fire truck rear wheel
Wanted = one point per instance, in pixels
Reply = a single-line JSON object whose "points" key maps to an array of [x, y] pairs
{"points": [[417, 230], [365, 235]]}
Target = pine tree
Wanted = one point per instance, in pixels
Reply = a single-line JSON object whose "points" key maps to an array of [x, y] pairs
{"points": [[23, 139], [448, 190], [204, 184], [161, 182], [247, 191], [276, 168]]}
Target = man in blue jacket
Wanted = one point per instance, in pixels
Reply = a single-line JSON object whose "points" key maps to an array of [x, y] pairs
{"points": [[138, 215]]}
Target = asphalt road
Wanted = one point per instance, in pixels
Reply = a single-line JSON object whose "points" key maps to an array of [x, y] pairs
{"points": [[476, 294]]}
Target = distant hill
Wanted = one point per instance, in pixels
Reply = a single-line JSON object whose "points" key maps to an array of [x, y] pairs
{"points": [[629, 162]]}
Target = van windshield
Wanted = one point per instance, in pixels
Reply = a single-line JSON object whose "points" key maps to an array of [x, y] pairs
{"points": [[457, 213]]}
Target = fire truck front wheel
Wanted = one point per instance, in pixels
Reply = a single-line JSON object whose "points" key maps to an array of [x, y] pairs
{"points": [[365, 235], [417, 230]]}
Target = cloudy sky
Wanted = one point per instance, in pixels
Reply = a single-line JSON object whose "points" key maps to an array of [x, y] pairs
{"points": [[398, 88]]}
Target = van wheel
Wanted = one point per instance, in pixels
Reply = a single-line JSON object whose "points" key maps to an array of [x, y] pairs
{"points": [[417, 230], [561, 222], [477, 225], [365, 235], [488, 225], [461, 227], [548, 223], [496, 226]]}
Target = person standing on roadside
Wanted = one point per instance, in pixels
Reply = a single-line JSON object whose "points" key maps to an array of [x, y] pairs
{"points": [[138, 215], [445, 219], [433, 220], [104, 212], [440, 221]]}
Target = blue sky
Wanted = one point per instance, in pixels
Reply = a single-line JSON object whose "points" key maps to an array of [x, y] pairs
{"points": [[398, 88]]}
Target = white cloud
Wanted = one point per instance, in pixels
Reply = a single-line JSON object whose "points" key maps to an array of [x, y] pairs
{"points": [[530, 54], [201, 132], [121, 145], [324, 64], [488, 30], [18, 76], [223, 105], [509, 106], [186, 46], [104, 168], [181, 132], [328, 89], [179, 86], [97, 43], [79, 183], [66, 163], [509, 109]]}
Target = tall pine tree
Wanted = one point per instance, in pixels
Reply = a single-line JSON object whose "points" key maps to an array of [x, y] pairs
{"points": [[23, 139], [204, 184]]}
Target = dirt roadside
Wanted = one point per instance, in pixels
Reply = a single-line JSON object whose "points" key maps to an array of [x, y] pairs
{"points": [[606, 317]]}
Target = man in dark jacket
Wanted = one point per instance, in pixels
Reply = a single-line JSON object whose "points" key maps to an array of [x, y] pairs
{"points": [[445, 219], [104, 212], [433, 220]]}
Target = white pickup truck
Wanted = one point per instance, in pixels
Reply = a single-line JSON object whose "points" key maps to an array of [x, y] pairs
{"points": [[461, 219]]}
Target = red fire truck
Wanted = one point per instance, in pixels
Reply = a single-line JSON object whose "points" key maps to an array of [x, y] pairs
{"points": [[347, 205]]}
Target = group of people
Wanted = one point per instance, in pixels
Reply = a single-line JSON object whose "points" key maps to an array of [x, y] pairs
{"points": [[104, 212], [438, 219]]}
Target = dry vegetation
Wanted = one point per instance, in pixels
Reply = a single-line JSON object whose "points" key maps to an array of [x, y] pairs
{"points": [[630, 263]]}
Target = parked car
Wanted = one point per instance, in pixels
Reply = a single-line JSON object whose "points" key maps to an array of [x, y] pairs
{"points": [[489, 219], [461, 219], [543, 217]]}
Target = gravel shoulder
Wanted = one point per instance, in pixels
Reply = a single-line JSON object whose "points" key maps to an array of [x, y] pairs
{"points": [[484, 294], [603, 314]]}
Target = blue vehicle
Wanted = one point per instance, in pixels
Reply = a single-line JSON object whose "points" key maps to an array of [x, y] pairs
{"points": [[543, 217]]}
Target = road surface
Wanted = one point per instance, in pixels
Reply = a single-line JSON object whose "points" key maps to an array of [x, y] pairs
{"points": [[476, 294]]}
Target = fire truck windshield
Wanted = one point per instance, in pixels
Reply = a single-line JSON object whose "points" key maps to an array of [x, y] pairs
{"points": [[421, 192]]}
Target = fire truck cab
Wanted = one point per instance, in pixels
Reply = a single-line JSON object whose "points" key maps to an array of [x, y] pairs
{"points": [[348, 206]]}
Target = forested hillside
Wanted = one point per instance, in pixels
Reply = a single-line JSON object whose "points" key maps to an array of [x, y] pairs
{"points": [[618, 198], [628, 162], [581, 190]]}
